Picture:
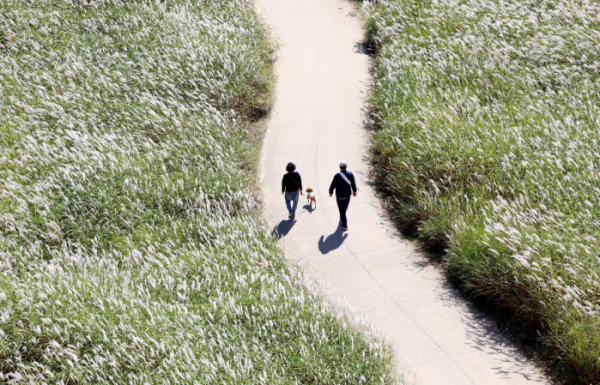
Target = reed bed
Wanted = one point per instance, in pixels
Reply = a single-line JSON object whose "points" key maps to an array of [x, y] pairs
{"points": [[131, 246], [487, 123]]}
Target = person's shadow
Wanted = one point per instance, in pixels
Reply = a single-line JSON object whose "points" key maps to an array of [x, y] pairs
{"points": [[333, 241], [284, 227]]}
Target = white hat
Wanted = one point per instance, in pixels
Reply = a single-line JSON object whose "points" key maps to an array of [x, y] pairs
{"points": [[343, 164]]}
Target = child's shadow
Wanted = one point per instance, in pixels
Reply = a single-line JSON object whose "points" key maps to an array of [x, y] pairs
{"points": [[308, 207]]}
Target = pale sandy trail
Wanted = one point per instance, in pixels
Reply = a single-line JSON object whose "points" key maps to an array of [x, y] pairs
{"points": [[317, 120]]}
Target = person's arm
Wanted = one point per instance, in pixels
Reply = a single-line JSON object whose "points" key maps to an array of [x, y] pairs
{"points": [[283, 185], [300, 182], [353, 183], [332, 187]]}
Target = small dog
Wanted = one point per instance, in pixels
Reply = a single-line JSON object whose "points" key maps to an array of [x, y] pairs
{"points": [[310, 197]]}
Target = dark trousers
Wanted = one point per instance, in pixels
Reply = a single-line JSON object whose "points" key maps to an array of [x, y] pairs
{"points": [[343, 207]]}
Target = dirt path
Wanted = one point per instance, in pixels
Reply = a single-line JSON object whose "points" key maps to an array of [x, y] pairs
{"points": [[323, 74]]}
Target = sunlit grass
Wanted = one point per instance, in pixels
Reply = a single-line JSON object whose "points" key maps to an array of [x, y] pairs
{"points": [[487, 126], [131, 247]]}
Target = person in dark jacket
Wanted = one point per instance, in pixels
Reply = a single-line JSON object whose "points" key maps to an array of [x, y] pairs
{"points": [[291, 185], [344, 185]]}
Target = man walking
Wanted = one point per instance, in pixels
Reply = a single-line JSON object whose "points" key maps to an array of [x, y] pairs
{"points": [[344, 185], [291, 185]]}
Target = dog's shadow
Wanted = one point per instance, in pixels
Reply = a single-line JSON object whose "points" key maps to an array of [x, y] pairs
{"points": [[308, 207]]}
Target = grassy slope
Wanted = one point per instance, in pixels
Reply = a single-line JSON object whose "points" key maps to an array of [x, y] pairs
{"points": [[486, 144], [130, 248]]}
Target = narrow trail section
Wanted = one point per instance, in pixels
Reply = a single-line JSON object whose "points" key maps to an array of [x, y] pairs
{"points": [[318, 120]]}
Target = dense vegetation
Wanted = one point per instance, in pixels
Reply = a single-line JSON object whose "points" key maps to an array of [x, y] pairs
{"points": [[486, 143], [131, 249]]}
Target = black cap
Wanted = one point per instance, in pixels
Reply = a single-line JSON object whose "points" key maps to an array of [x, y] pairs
{"points": [[290, 167]]}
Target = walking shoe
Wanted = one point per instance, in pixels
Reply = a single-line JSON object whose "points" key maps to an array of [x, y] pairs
{"points": [[345, 227], [291, 215]]}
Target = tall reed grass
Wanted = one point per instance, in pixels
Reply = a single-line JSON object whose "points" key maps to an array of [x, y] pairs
{"points": [[487, 117], [131, 247]]}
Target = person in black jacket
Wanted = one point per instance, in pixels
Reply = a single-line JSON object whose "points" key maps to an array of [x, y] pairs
{"points": [[344, 185], [291, 185]]}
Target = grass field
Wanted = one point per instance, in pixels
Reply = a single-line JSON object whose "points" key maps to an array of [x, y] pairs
{"points": [[487, 126], [131, 249]]}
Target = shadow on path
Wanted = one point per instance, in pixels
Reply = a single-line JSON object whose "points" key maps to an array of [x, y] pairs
{"points": [[333, 241], [309, 208], [284, 227]]}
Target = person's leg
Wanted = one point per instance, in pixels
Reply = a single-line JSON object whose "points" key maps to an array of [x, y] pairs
{"points": [[295, 199], [343, 212], [288, 201], [343, 207]]}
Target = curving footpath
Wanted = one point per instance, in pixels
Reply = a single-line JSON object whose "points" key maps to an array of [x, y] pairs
{"points": [[323, 76]]}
